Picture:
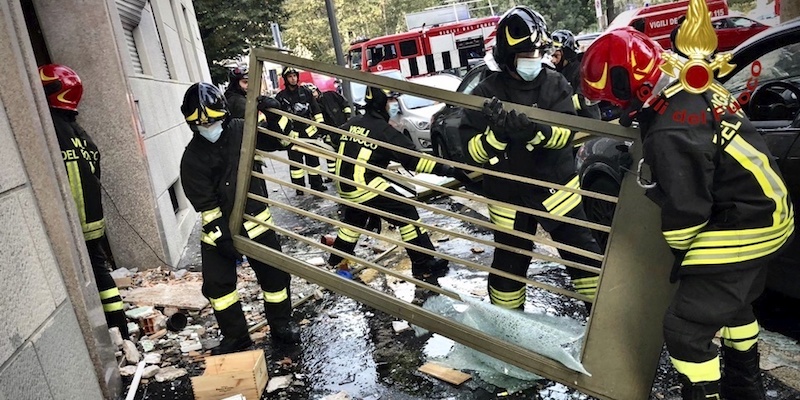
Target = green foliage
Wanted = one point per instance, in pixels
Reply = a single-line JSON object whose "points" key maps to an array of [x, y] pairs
{"points": [[229, 27], [575, 15]]}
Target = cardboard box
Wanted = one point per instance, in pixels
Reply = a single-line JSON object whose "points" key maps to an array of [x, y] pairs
{"points": [[227, 375]]}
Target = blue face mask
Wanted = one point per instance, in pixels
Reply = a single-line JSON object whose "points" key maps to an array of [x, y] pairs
{"points": [[394, 108], [529, 68], [211, 132]]}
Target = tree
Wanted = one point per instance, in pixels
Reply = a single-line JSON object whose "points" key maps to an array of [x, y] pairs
{"points": [[575, 15], [229, 27]]}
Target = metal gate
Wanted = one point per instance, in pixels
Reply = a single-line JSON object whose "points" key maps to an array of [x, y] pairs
{"points": [[623, 339]]}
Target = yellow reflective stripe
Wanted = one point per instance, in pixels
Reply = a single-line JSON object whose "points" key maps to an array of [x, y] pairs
{"points": [[311, 130], [681, 239], [502, 216], [261, 117], [492, 140], [109, 293], [771, 184], [214, 113], [211, 237], [283, 122], [425, 166], [319, 117], [315, 170], [210, 215], [707, 371], [76, 187], [476, 150], [741, 338], [584, 283], [275, 297], [332, 167], [347, 110], [559, 137], [507, 299], [348, 235], [738, 251], [297, 173], [94, 230], [254, 229], [568, 205], [221, 303], [111, 307], [361, 195], [576, 101], [408, 232], [561, 195]]}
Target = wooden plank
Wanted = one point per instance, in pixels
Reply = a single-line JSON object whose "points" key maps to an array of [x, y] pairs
{"points": [[183, 295], [226, 375], [123, 283], [446, 374]]}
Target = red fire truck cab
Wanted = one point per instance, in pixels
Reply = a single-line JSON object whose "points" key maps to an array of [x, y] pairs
{"points": [[425, 50]]}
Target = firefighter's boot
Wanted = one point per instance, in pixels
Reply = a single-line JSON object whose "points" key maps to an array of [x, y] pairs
{"points": [[117, 319], [700, 390], [741, 375], [315, 181], [281, 326], [430, 270], [233, 325]]}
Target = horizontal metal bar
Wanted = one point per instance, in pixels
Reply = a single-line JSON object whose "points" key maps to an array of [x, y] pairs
{"points": [[573, 122]]}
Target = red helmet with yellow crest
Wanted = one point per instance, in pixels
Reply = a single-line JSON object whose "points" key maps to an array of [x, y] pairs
{"points": [[62, 86], [620, 66]]}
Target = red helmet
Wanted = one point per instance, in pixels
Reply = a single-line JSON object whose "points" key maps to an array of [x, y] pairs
{"points": [[621, 65], [62, 86]]}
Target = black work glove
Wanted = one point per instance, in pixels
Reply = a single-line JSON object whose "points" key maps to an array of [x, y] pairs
{"points": [[493, 110], [452, 172], [226, 249], [508, 126]]}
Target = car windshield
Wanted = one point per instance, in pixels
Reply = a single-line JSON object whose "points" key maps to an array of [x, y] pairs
{"points": [[355, 59], [359, 89], [779, 64], [414, 102]]}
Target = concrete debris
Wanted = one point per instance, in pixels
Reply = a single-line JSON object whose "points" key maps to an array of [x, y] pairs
{"points": [[133, 328], [400, 326], [150, 371], [316, 261], [147, 345], [116, 336], [120, 273], [139, 312], [279, 382], [170, 311], [338, 396], [127, 370], [190, 345], [170, 374], [131, 353], [185, 294], [477, 250], [152, 358], [179, 274]]}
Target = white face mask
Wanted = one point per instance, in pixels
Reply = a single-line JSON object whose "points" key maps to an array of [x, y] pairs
{"points": [[211, 132], [529, 68], [394, 108]]}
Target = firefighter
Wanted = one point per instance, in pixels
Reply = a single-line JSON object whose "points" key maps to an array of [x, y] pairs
{"points": [[508, 142], [299, 101], [567, 60], [81, 156], [725, 210], [208, 174], [236, 93], [335, 111], [380, 106]]}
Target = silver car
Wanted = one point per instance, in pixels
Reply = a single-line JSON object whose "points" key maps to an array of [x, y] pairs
{"points": [[414, 118]]}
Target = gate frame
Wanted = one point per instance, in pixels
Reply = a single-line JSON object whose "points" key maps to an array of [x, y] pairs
{"points": [[623, 340]]}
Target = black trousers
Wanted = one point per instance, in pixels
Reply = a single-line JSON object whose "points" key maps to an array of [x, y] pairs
{"points": [[704, 304], [219, 285], [298, 174], [509, 293], [346, 238], [101, 259]]}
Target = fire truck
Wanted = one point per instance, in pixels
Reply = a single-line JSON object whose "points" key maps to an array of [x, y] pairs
{"points": [[425, 50]]}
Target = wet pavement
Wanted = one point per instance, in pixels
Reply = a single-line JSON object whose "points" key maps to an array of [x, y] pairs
{"points": [[349, 347]]}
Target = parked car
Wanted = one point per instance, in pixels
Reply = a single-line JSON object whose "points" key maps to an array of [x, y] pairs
{"points": [[414, 117], [733, 30], [359, 89], [774, 108]]}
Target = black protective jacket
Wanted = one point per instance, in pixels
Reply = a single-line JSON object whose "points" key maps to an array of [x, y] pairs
{"points": [[551, 160], [375, 126], [335, 109], [572, 71], [209, 172], [724, 205], [237, 100], [82, 161], [301, 102]]}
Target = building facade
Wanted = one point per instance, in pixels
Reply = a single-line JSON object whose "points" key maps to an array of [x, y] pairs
{"points": [[135, 58]]}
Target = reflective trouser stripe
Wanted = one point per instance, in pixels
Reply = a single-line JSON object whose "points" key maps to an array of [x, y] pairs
{"points": [[255, 229], [741, 338], [221, 303], [297, 173], [275, 297], [707, 371], [410, 232], [681, 239], [507, 299], [347, 110], [362, 195], [315, 170], [348, 235], [586, 286], [311, 130], [502, 216], [562, 201], [283, 122], [332, 167], [111, 294], [208, 217], [94, 230], [319, 118], [425, 165]]}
